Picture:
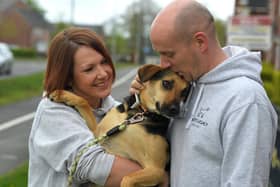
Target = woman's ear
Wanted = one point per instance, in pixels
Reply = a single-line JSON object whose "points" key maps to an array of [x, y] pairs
{"points": [[201, 41]]}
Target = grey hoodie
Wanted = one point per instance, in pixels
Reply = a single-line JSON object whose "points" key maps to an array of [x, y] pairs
{"points": [[227, 136], [58, 133]]}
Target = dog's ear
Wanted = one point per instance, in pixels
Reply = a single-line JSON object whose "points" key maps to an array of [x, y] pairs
{"points": [[146, 71]]}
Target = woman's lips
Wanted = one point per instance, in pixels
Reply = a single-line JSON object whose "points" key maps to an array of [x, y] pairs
{"points": [[103, 84]]}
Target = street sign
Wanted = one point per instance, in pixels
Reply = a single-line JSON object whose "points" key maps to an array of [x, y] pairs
{"points": [[252, 32]]}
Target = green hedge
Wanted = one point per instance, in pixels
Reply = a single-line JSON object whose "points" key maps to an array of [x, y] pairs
{"points": [[24, 52], [267, 72], [271, 79], [268, 86], [276, 87]]}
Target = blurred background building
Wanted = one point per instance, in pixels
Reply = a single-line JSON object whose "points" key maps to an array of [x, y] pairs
{"points": [[22, 26], [255, 25]]}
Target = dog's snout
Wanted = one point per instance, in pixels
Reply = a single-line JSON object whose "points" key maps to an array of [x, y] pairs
{"points": [[168, 110], [174, 110]]}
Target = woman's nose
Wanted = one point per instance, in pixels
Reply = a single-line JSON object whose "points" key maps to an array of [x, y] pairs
{"points": [[101, 72]]}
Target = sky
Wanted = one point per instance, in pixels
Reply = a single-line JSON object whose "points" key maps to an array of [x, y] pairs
{"points": [[96, 12]]}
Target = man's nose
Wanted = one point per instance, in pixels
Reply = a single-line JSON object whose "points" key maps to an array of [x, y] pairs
{"points": [[164, 63]]}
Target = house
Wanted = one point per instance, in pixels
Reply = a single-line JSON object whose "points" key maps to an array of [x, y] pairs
{"points": [[23, 27]]}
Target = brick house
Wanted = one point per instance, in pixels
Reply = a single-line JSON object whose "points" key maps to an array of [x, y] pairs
{"points": [[23, 27]]}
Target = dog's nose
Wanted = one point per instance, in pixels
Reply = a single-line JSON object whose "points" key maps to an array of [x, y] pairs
{"points": [[174, 110]]}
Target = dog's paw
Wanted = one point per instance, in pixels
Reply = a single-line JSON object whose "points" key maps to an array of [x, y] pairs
{"points": [[54, 96], [68, 98], [126, 182]]}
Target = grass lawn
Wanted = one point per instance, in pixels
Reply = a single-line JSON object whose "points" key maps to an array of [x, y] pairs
{"points": [[19, 88], [15, 178]]}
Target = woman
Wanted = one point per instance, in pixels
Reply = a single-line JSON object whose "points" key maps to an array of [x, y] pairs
{"points": [[79, 62]]}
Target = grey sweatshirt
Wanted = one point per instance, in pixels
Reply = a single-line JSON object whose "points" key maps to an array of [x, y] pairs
{"points": [[227, 136], [58, 133]]}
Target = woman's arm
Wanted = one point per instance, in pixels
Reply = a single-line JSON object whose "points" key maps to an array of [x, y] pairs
{"points": [[121, 167]]}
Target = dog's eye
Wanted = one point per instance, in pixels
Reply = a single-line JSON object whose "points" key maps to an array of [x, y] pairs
{"points": [[167, 84]]}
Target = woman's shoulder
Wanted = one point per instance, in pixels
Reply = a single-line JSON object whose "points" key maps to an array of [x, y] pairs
{"points": [[47, 104]]}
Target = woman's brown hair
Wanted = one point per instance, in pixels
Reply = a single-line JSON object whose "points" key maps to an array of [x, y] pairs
{"points": [[59, 71]]}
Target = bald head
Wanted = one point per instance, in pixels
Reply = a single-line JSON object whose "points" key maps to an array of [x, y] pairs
{"points": [[184, 18], [184, 35]]}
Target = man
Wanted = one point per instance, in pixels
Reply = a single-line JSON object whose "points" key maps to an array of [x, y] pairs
{"points": [[227, 134]]}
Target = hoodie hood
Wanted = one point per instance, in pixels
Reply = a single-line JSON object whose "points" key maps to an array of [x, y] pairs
{"points": [[240, 62]]}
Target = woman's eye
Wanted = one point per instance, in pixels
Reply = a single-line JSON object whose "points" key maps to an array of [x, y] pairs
{"points": [[167, 84], [88, 69]]}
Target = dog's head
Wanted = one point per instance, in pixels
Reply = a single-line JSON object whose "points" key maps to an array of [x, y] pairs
{"points": [[164, 90]]}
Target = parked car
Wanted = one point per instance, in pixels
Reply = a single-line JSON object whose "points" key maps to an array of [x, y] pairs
{"points": [[6, 59]]}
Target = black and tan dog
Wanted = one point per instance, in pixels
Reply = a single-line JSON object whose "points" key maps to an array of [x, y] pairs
{"points": [[144, 140]]}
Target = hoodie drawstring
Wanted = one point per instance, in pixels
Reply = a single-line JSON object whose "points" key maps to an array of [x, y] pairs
{"points": [[195, 106]]}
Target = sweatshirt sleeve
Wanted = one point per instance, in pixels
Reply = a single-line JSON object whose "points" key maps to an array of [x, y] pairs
{"points": [[248, 140], [60, 135]]}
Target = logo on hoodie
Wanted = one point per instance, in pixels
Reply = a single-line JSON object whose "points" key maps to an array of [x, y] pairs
{"points": [[198, 120]]}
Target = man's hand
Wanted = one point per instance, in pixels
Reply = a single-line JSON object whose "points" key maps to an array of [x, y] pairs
{"points": [[136, 85]]}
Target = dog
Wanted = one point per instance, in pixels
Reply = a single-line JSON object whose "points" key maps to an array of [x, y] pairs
{"points": [[146, 123]]}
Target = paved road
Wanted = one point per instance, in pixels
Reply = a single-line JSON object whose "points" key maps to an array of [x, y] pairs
{"points": [[24, 67], [14, 129]]}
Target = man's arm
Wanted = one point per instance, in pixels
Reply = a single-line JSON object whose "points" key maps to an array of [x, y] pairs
{"points": [[248, 140]]}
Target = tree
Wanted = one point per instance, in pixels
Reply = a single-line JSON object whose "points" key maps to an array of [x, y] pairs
{"points": [[136, 22], [35, 6], [221, 31], [59, 26]]}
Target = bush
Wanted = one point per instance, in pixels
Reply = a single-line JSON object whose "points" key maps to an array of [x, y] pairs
{"points": [[267, 70], [271, 79], [276, 87], [268, 86], [24, 52]]}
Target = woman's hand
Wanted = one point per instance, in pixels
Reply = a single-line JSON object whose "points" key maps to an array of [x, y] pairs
{"points": [[136, 85]]}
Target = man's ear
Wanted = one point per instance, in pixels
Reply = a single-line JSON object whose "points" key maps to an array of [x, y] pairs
{"points": [[201, 41], [146, 71]]}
